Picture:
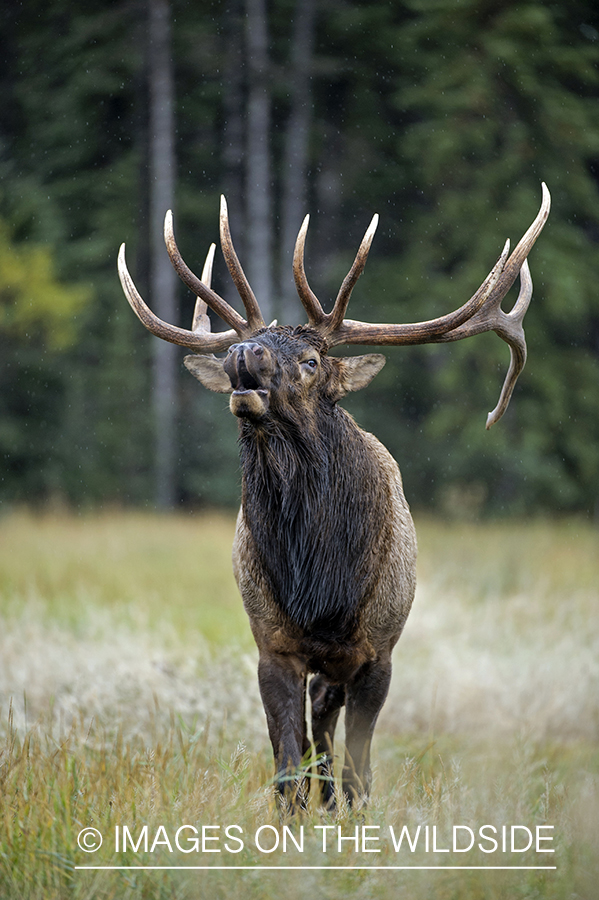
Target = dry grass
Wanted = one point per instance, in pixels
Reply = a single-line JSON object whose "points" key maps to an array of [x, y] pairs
{"points": [[127, 681]]}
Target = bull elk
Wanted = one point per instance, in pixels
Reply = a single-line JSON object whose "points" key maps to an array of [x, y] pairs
{"points": [[325, 549]]}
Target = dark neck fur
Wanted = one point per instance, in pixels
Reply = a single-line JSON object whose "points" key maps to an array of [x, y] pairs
{"points": [[314, 501]]}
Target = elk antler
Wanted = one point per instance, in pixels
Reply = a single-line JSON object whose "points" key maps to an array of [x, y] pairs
{"points": [[481, 313], [200, 339]]}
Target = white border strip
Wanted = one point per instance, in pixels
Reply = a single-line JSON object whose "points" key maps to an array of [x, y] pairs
{"points": [[324, 868]]}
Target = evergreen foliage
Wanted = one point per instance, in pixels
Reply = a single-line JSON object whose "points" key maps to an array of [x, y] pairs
{"points": [[442, 115]]}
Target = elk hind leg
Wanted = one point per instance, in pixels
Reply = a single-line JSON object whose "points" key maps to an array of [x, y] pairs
{"points": [[326, 699]]}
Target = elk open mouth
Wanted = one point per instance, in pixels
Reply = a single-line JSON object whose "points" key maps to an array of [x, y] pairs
{"points": [[249, 399], [245, 381]]}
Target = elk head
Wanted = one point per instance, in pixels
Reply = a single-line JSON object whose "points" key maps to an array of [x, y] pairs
{"points": [[280, 372], [273, 371]]}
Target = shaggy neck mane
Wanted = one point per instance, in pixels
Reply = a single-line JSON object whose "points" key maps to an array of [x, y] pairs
{"points": [[316, 535]]}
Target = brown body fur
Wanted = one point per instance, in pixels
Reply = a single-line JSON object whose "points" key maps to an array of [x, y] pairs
{"points": [[383, 611]]}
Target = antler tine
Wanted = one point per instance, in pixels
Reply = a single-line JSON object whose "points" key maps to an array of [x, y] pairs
{"points": [[198, 287], [198, 342], [250, 303], [517, 345], [310, 301], [519, 308], [201, 320], [522, 249], [208, 266], [349, 282]]}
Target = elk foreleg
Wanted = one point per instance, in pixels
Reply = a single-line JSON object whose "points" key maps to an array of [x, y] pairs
{"points": [[365, 695], [326, 699], [282, 681]]}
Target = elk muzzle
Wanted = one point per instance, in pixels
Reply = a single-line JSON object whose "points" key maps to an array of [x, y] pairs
{"points": [[249, 366]]}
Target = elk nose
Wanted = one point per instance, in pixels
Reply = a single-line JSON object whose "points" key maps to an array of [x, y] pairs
{"points": [[256, 349]]}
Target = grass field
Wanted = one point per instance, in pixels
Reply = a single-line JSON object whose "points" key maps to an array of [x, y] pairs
{"points": [[129, 699]]}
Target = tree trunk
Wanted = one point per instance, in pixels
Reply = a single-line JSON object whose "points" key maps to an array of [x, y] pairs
{"points": [[234, 134], [258, 175], [162, 275], [295, 161]]}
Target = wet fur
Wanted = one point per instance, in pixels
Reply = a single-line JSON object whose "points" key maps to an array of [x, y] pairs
{"points": [[316, 534]]}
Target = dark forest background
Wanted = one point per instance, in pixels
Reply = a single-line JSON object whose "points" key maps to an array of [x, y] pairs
{"points": [[442, 115]]}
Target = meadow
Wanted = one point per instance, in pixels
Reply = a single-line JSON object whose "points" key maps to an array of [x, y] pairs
{"points": [[128, 700]]}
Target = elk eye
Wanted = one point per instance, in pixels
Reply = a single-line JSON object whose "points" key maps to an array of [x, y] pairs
{"points": [[312, 363]]}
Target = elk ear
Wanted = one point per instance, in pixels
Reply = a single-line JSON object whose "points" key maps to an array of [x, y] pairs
{"points": [[209, 370], [355, 372]]}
